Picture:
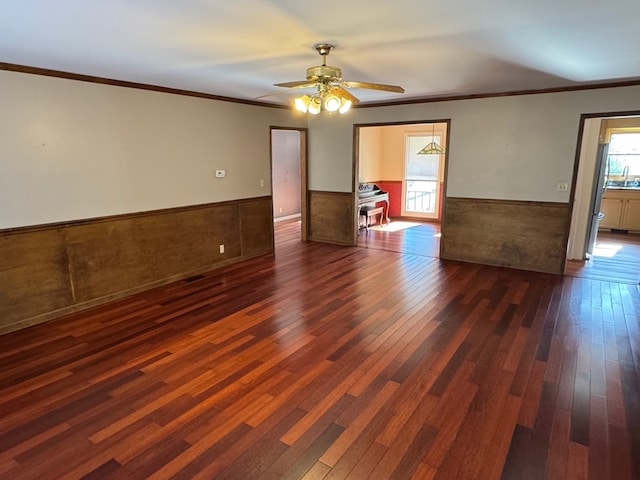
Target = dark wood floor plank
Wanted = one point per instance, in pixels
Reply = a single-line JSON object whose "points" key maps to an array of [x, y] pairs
{"points": [[559, 445], [491, 465], [355, 428], [577, 464], [599, 449], [580, 407], [447, 416], [357, 454], [311, 446], [251, 457], [365, 465], [531, 396], [331, 362]]}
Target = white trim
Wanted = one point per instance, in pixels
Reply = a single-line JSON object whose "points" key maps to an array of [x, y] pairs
{"points": [[288, 217]]}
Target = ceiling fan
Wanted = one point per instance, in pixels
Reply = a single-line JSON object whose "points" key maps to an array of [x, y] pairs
{"points": [[331, 90]]}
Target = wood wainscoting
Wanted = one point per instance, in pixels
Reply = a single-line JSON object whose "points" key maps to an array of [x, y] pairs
{"points": [[517, 234], [50, 270], [332, 217]]}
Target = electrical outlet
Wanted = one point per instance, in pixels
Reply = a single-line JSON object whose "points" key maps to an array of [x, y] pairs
{"points": [[563, 187], [280, 210], [221, 248], [221, 173], [262, 182]]}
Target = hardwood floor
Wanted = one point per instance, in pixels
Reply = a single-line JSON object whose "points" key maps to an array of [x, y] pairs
{"points": [[328, 362], [616, 258], [416, 238]]}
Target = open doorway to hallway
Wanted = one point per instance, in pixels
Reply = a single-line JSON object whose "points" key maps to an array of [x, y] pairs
{"points": [[407, 163], [288, 178]]}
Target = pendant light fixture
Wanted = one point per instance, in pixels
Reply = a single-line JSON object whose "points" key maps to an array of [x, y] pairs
{"points": [[432, 148]]}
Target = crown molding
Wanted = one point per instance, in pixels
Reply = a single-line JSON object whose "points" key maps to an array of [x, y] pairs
{"points": [[11, 67]]}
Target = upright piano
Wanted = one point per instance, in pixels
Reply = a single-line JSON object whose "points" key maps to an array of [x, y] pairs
{"points": [[369, 194]]}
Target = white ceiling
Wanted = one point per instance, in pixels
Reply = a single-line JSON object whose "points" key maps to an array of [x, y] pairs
{"points": [[240, 48]]}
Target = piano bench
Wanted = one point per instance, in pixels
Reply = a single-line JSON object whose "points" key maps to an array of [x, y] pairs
{"points": [[371, 212]]}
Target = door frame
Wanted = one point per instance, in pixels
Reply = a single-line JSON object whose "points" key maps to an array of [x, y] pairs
{"points": [[356, 169], [586, 179], [304, 183]]}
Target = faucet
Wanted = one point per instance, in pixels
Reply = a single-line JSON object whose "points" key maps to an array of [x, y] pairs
{"points": [[625, 174]]}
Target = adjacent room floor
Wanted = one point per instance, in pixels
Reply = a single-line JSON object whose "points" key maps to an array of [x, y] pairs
{"points": [[616, 258], [403, 236]]}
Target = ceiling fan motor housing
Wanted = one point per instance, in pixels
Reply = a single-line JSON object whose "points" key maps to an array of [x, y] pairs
{"points": [[324, 72]]}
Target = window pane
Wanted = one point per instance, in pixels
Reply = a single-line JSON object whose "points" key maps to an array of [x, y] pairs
{"points": [[624, 160], [422, 174], [625, 143], [421, 196], [422, 167]]}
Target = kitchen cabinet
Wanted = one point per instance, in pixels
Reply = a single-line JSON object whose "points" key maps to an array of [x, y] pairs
{"points": [[612, 209], [631, 214], [621, 209]]}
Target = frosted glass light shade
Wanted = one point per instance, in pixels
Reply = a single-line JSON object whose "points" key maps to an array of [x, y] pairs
{"points": [[332, 103], [302, 103], [315, 105], [345, 105]]}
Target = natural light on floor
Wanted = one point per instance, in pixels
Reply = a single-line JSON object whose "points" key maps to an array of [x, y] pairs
{"points": [[395, 226], [607, 250]]}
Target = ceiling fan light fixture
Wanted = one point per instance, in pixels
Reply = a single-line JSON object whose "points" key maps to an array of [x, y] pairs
{"points": [[302, 103], [331, 94], [315, 105]]}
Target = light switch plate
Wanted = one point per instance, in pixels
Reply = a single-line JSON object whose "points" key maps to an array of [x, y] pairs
{"points": [[221, 173]]}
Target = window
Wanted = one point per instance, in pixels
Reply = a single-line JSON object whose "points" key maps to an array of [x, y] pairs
{"points": [[422, 176], [623, 162]]}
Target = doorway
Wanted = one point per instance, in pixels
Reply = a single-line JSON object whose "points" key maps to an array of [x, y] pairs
{"points": [[604, 240], [388, 158], [289, 182]]}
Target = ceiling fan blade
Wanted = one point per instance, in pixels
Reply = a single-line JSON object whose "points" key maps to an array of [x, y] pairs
{"points": [[346, 94], [374, 86], [298, 84]]}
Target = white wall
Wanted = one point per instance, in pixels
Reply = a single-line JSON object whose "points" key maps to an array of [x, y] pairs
{"points": [[514, 148], [73, 150], [330, 147], [370, 155]]}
